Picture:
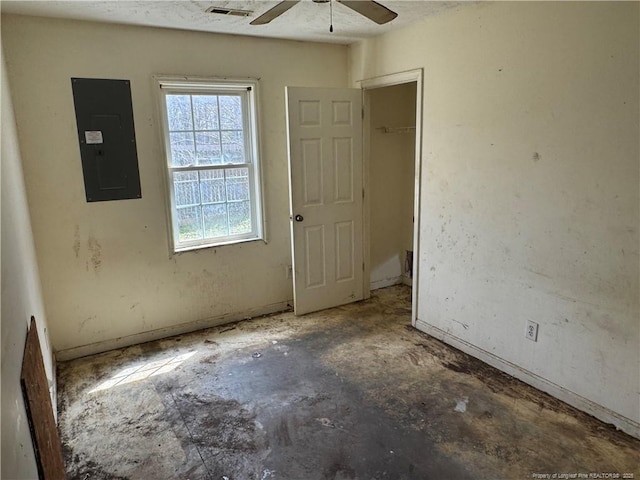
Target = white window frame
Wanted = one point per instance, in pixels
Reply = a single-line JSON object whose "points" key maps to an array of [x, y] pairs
{"points": [[248, 88]]}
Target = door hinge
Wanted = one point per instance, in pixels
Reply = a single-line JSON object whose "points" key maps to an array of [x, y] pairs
{"points": [[363, 266], [363, 193], [362, 111]]}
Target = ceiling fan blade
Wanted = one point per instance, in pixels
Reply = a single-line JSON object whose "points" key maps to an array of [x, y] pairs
{"points": [[274, 12], [370, 9]]}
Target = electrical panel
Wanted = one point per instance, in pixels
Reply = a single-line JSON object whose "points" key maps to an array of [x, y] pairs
{"points": [[106, 134]]}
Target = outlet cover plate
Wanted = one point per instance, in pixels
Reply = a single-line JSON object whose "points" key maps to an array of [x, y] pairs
{"points": [[532, 331]]}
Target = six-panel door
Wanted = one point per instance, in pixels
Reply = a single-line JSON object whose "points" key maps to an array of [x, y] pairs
{"points": [[325, 167]]}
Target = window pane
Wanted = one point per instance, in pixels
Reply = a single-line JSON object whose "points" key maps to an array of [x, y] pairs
{"points": [[230, 112], [239, 218], [212, 186], [189, 223], [215, 220], [233, 147], [186, 189], [208, 148], [182, 149], [205, 111], [237, 184], [179, 112]]}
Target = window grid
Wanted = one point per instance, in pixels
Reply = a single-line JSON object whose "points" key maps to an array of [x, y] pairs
{"points": [[227, 200], [225, 147]]}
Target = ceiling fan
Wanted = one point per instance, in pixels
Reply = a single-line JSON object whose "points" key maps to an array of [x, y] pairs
{"points": [[368, 8]]}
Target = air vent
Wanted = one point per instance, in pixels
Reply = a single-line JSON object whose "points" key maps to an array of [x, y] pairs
{"points": [[229, 11]]}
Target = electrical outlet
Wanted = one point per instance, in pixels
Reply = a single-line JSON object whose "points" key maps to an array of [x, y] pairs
{"points": [[532, 331]]}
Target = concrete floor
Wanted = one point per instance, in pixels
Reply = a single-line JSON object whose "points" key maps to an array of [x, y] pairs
{"points": [[350, 393]]}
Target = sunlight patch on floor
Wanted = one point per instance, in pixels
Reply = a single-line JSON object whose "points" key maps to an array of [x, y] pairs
{"points": [[144, 371]]}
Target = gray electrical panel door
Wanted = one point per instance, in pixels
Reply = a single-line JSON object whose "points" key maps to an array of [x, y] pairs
{"points": [[104, 115]]}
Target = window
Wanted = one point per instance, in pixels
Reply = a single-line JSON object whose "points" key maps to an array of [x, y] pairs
{"points": [[211, 145]]}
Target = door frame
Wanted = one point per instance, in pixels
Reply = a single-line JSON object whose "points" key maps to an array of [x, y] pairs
{"points": [[366, 85]]}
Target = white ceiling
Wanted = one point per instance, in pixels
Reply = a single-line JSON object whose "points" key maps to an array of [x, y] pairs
{"points": [[307, 21]]}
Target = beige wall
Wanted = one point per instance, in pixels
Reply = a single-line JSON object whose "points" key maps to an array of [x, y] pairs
{"points": [[530, 189], [106, 269], [391, 178], [21, 298]]}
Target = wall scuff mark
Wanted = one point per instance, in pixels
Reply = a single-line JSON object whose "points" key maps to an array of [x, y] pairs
{"points": [[76, 241], [96, 252]]}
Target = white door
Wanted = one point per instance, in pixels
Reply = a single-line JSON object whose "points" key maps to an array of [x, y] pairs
{"points": [[325, 191]]}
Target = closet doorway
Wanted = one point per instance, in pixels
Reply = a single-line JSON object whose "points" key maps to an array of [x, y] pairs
{"points": [[392, 141]]}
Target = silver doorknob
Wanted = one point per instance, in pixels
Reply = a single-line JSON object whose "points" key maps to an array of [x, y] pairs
{"points": [[299, 218]]}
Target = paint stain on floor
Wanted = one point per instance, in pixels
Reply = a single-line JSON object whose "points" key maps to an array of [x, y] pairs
{"points": [[353, 392]]}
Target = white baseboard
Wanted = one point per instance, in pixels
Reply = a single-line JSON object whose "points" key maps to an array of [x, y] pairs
{"points": [[581, 403], [386, 282], [105, 346]]}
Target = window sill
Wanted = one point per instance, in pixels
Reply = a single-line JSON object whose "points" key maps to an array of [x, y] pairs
{"points": [[192, 248]]}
